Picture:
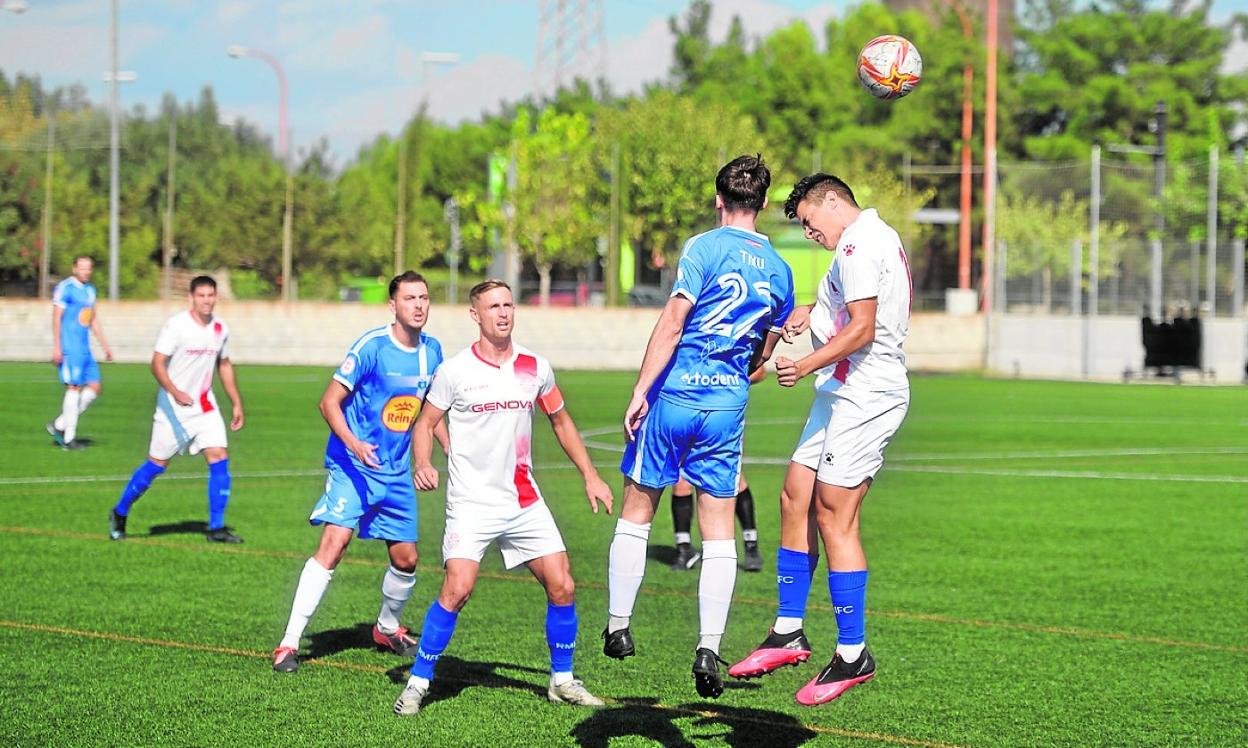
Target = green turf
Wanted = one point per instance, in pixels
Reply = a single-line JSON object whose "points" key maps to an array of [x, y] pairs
{"points": [[1051, 563]]}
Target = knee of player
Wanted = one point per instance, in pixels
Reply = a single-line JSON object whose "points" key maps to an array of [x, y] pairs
{"points": [[404, 560], [455, 595], [561, 591], [837, 526]]}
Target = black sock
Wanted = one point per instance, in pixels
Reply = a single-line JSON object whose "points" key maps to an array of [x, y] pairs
{"points": [[745, 515], [682, 517]]}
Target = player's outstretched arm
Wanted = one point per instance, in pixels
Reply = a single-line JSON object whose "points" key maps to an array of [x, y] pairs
{"points": [[663, 341], [596, 489], [859, 332], [225, 368], [98, 329], [331, 410], [425, 475], [160, 370]]}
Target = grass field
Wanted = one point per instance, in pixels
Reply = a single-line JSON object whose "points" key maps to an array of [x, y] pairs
{"points": [[1051, 564]]}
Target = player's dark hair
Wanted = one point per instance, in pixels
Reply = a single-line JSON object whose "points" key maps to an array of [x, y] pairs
{"points": [[743, 182], [202, 280], [407, 276], [83, 257], [815, 187], [485, 286]]}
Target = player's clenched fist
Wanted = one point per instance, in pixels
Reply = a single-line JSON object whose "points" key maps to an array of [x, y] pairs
{"points": [[425, 477], [786, 371]]}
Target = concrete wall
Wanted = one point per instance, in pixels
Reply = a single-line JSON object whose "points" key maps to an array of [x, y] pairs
{"points": [[320, 333]]}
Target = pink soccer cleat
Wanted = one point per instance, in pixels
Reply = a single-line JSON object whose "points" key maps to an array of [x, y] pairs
{"points": [[776, 651], [837, 678]]}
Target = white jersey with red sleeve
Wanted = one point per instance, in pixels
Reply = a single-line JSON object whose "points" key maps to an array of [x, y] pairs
{"points": [[489, 412], [193, 350], [869, 262]]}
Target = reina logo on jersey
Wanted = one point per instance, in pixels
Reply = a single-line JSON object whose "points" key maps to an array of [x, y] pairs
{"points": [[84, 316], [501, 406], [400, 412], [710, 380]]}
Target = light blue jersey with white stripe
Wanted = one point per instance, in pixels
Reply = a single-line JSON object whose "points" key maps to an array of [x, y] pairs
{"points": [[740, 289], [388, 382]]}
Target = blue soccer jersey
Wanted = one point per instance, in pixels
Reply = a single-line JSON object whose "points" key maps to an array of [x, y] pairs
{"points": [[740, 289], [78, 301], [388, 382]]}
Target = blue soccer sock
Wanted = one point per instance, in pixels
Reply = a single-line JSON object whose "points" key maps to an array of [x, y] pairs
{"points": [[140, 481], [561, 624], [794, 570], [435, 634], [848, 590], [218, 493]]}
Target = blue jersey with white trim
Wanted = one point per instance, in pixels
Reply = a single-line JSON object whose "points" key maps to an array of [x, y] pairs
{"points": [[78, 301], [388, 382], [740, 289]]}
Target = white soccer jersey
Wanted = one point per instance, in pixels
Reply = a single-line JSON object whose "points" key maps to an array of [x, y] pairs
{"points": [[193, 350], [489, 411], [869, 262]]}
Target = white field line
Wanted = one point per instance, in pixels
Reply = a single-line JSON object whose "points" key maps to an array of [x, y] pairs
{"points": [[44, 479]]}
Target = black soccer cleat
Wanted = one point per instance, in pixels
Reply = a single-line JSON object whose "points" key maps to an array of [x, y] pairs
{"points": [[753, 561], [686, 557], [285, 660], [618, 644], [706, 677], [222, 535], [837, 678], [116, 525]]}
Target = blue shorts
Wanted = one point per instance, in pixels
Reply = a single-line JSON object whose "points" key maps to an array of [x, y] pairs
{"points": [[705, 445], [79, 369], [377, 505]]}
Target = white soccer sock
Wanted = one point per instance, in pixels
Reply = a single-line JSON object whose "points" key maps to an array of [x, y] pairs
{"points": [[683, 538], [719, 575], [749, 536], [86, 396], [312, 583], [626, 566], [850, 652], [416, 680], [396, 587], [786, 625], [558, 679], [69, 414]]}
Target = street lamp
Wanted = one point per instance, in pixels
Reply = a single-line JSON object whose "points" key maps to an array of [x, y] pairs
{"points": [[964, 222], [427, 59], [283, 133]]}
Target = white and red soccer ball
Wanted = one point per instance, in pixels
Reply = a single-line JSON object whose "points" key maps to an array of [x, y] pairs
{"points": [[889, 67]]}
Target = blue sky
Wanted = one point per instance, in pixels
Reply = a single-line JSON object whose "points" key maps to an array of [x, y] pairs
{"points": [[354, 66]]}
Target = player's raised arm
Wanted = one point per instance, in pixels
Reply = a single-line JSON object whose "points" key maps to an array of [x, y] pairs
{"points": [[424, 473], [226, 369], [331, 410], [859, 332], [663, 341]]}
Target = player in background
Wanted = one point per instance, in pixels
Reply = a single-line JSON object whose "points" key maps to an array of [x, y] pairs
{"points": [[732, 295], [862, 392], [682, 526], [370, 405], [73, 319], [488, 393], [192, 346]]}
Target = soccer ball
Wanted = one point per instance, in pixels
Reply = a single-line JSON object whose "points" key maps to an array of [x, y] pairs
{"points": [[889, 67]]}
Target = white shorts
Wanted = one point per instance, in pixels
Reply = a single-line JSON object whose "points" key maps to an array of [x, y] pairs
{"points": [[188, 435], [521, 537], [846, 433]]}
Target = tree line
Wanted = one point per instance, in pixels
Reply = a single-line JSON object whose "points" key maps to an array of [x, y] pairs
{"points": [[587, 167]]}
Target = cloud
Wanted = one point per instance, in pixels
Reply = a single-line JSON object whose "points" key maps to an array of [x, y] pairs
{"points": [[232, 12], [80, 49]]}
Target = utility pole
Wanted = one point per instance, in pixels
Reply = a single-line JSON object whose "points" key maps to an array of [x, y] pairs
{"points": [[45, 256], [612, 274], [1159, 229], [114, 166], [167, 248]]}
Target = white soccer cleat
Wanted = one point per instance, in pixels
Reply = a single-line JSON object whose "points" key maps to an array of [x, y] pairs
{"points": [[571, 692], [410, 700]]}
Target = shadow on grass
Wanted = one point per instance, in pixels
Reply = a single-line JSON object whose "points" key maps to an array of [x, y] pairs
{"points": [[333, 641], [185, 527], [736, 726], [454, 676], [663, 554]]}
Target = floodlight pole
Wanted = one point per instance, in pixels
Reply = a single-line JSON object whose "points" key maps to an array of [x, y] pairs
{"points": [[46, 253], [964, 213], [283, 147], [114, 166], [1159, 192]]}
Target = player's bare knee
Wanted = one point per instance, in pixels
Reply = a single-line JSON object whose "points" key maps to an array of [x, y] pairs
{"points": [[404, 558], [454, 595], [561, 590]]}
